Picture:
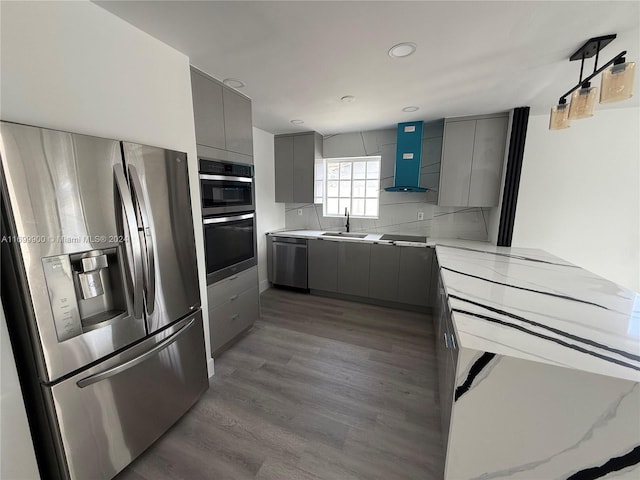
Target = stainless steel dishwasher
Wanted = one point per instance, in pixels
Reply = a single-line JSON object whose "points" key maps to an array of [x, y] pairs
{"points": [[289, 262]]}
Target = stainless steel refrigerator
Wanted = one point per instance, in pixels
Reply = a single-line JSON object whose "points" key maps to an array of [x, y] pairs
{"points": [[100, 290]]}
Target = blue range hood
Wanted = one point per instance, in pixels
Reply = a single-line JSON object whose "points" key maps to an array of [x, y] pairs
{"points": [[408, 158]]}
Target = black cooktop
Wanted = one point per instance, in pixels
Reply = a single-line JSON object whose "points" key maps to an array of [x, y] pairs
{"points": [[403, 238]]}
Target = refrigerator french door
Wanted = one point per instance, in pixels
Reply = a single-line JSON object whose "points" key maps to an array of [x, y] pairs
{"points": [[100, 290]]}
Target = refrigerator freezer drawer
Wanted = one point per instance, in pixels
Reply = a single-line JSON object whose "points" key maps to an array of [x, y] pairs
{"points": [[110, 413]]}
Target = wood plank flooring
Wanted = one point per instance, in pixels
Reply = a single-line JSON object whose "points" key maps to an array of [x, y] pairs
{"points": [[319, 389]]}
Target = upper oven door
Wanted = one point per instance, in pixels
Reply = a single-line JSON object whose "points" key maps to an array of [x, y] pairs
{"points": [[225, 194]]}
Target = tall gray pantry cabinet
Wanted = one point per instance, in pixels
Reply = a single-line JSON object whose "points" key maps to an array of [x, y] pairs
{"points": [[224, 132]]}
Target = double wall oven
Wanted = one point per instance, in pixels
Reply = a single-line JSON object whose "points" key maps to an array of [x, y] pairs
{"points": [[229, 222]]}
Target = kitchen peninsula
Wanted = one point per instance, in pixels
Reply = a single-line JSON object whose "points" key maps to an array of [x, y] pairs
{"points": [[538, 359], [546, 366]]}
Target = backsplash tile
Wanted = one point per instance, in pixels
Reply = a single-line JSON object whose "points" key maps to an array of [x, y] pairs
{"points": [[398, 210]]}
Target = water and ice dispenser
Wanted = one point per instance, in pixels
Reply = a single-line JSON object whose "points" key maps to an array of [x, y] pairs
{"points": [[86, 290]]}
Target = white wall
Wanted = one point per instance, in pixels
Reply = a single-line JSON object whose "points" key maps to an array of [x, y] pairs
{"points": [[74, 66], [270, 215], [579, 193]]}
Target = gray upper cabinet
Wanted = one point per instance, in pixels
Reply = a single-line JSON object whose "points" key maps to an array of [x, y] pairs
{"points": [[472, 158], [455, 170], [415, 273], [488, 157], [295, 156], [304, 155], [238, 124], [383, 272], [222, 119], [322, 265], [283, 152], [207, 111], [353, 268]]}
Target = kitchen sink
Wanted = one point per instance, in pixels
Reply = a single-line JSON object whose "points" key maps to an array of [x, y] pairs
{"points": [[344, 234]]}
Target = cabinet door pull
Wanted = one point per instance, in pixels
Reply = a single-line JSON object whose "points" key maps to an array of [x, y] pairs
{"points": [[453, 341], [233, 277], [233, 297], [446, 340], [235, 316]]}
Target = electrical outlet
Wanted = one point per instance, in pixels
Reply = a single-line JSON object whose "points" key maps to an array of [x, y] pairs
{"points": [[420, 215], [299, 211]]}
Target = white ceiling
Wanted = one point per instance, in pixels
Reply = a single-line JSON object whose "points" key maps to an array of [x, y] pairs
{"points": [[299, 58]]}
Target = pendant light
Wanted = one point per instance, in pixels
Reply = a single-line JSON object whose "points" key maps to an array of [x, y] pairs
{"points": [[617, 81], [559, 116], [617, 84], [582, 102]]}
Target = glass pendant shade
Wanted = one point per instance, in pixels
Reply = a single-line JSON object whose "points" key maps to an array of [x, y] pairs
{"points": [[582, 102], [617, 82], [559, 117]]}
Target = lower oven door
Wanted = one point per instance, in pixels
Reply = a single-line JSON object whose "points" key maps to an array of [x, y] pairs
{"points": [[109, 414], [230, 245]]}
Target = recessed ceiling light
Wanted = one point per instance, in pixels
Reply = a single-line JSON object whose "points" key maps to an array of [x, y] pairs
{"points": [[348, 99], [410, 109], [233, 82], [297, 122], [402, 50]]}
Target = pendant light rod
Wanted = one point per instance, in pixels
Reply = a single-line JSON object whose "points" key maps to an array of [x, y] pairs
{"points": [[595, 72]]}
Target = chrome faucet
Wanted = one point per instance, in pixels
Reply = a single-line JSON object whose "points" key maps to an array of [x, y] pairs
{"points": [[346, 214]]}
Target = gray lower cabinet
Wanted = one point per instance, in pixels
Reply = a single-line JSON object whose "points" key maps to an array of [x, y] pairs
{"points": [[384, 269], [353, 268], [447, 358], [413, 278], [322, 256], [234, 305], [270, 258], [377, 271], [238, 124], [294, 157]]}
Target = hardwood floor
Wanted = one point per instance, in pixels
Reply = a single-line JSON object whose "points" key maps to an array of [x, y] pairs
{"points": [[318, 389]]}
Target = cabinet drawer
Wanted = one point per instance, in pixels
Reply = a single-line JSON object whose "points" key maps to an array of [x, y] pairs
{"points": [[233, 316], [222, 291]]}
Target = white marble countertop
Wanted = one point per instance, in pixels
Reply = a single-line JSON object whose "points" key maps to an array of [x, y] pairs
{"points": [[529, 304]]}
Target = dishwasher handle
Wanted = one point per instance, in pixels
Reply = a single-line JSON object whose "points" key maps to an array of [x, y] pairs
{"points": [[291, 240]]}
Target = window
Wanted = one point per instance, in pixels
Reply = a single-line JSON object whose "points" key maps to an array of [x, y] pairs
{"points": [[352, 183]]}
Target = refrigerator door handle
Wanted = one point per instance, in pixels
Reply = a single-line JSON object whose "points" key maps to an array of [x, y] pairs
{"points": [[97, 377], [146, 240], [134, 240]]}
